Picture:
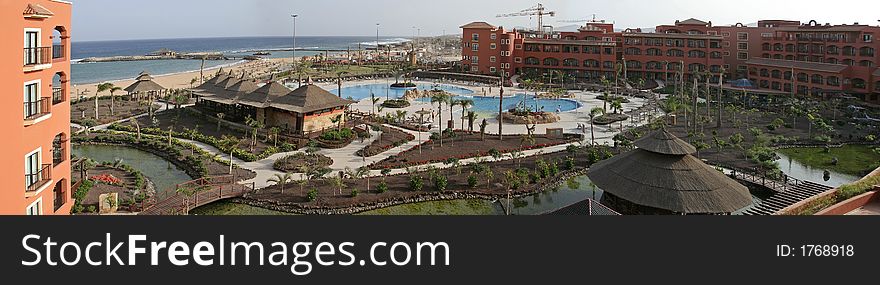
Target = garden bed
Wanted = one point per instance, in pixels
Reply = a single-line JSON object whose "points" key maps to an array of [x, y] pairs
{"points": [[467, 145], [396, 103], [295, 162], [608, 119], [83, 112], [524, 177], [388, 139]]}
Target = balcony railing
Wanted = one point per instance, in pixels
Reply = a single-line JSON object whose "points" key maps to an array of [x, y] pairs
{"points": [[37, 180], [57, 95], [36, 109], [37, 56], [60, 198], [58, 51]]}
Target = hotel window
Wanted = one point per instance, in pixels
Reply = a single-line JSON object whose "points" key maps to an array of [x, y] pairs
{"points": [[742, 46], [475, 47], [725, 34], [475, 59], [36, 208], [33, 168], [492, 59], [32, 102], [475, 37], [493, 36], [492, 46], [867, 38], [475, 69], [726, 53], [492, 69], [742, 36], [518, 46], [713, 33], [742, 56], [517, 60], [607, 39], [767, 35]]}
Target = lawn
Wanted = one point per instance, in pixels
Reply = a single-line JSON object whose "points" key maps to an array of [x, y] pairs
{"points": [[853, 160], [223, 208], [448, 208]]}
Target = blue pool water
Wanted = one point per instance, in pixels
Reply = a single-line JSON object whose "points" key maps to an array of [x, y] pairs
{"points": [[381, 90], [490, 104]]}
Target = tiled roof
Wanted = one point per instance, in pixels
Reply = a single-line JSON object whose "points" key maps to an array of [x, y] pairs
{"points": [[673, 36], [37, 10], [478, 25], [693, 21], [814, 66], [309, 98]]}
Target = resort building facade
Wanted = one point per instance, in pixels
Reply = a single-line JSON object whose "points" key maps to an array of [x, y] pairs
{"points": [[36, 120], [778, 56], [301, 112]]}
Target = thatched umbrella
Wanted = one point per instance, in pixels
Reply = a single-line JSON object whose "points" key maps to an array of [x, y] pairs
{"points": [[144, 85], [662, 174]]}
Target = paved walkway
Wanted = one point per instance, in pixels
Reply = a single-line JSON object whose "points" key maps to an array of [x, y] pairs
{"points": [[346, 157]]}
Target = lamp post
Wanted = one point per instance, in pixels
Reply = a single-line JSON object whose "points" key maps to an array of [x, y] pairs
{"points": [[294, 67]]}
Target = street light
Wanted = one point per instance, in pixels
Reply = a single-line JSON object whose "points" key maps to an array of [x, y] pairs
{"points": [[294, 16]]}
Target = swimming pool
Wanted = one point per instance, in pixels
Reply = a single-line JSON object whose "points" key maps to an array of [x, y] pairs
{"points": [[490, 104], [381, 90]]}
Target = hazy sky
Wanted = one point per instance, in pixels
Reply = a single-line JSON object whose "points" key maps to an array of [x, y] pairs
{"points": [[152, 19]]}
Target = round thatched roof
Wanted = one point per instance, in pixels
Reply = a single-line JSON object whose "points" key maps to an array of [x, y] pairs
{"points": [[663, 142], [660, 176], [144, 83]]}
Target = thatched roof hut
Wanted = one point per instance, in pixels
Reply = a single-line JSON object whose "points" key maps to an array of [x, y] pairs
{"points": [[144, 85], [663, 174], [309, 98], [260, 97]]}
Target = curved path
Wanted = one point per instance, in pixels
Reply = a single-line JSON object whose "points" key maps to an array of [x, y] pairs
{"points": [[346, 157]]}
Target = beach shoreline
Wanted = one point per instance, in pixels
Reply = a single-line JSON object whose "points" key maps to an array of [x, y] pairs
{"points": [[181, 80]]}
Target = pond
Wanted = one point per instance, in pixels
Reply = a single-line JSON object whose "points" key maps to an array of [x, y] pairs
{"points": [[382, 90], [164, 175], [798, 170]]}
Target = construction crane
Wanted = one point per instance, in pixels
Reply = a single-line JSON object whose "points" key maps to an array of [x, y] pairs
{"points": [[538, 10], [594, 20]]}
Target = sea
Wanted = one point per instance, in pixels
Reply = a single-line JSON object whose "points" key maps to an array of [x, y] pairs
{"points": [[279, 47]]}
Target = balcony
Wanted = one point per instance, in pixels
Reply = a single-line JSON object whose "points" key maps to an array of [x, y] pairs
{"points": [[37, 58], [39, 181], [60, 198], [58, 51], [37, 111], [57, 95]]}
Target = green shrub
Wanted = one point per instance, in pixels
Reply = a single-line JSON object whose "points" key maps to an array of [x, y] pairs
{"points": [[382, 187], [337, 135], [416, 183], [354, 193], [440, 183], [312, 195], [472, 181]]}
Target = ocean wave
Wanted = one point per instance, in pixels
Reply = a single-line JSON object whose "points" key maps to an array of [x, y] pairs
{"points": [[173, 73], [387, 42]]}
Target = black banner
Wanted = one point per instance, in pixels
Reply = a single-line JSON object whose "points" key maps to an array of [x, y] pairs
{"points": [[489, 250]]}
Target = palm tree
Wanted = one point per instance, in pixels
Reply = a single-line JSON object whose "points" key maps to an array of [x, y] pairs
{"points": [[255, 126], [300, 70], [375, 101], [193, 82], [337, 121], [465, 105], [360, 173], [719, 124], [471, 117], [101, 88], [137, 127], [401, 116], [274, 132], [452, 103], [281, 180], [112, 90], [339, 75], [595, 112], [230, 143], [617, 105], [220, 117], [440, 98], [337, 183]]}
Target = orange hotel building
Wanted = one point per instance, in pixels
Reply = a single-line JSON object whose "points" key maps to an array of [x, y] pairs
{"points": [[779, 56], [35, 121]]}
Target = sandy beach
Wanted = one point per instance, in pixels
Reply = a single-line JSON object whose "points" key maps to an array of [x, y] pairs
{"points": [[182, 80]]}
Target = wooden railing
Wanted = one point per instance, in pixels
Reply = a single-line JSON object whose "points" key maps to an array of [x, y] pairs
{"points": [[777, 183], [196, 193]]}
